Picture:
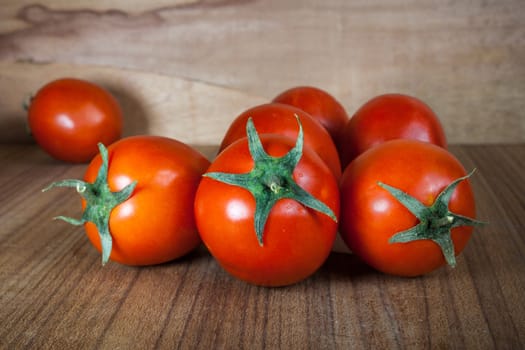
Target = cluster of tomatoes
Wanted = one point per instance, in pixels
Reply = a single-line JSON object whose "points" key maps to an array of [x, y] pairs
{"points": [[289, 175]]}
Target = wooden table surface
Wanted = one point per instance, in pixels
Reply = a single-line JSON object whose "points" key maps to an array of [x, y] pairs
{"points": [[55, 294]]}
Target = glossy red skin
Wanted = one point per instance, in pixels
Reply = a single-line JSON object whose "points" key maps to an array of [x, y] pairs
{"points": [[156, 224], [387, 117], [277, 118], [370, 215], [297, 240], [320, 105], [69, 117]]}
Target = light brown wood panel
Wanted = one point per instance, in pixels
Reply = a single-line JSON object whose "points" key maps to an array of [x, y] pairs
{"points": [[54, 293], [187, 110], [464, 58]]}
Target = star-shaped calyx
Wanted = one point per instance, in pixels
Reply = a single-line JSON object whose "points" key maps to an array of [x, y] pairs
{"points": [[100, 201], [435, 221], [271, 179]]}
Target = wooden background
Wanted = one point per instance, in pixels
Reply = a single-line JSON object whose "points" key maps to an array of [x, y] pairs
{"points": [[186, 68]]}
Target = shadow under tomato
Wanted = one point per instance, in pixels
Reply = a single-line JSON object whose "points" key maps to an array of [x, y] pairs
{"points": [[14, 129], [342, 266], [136, 120]]}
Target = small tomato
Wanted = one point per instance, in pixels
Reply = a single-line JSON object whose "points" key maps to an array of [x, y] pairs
{"points": [[69, 117], [320, 105], [137, 199], [406, 207], [267, 209], [387, 117]]}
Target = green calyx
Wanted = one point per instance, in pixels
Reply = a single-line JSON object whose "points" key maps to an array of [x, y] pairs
{"points": [[271, 179], [100, 201], [435, 221]]}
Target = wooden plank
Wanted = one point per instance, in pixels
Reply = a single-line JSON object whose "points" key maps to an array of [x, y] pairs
{"points": [[465, 59], [54, 293]]}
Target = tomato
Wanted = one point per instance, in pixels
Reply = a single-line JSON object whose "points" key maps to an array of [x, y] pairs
{"points": [[69, 117], [293, 240], [387, 117], [279, 118], [373, 219], [320, 105], [153, 181]]}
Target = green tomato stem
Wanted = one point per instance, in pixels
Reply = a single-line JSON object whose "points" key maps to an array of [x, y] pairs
{"points": [[271, 179], [100, 202], [436, 221]]}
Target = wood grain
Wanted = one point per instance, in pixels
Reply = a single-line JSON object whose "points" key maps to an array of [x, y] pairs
{"points": [[55, 294], [465, 59]]}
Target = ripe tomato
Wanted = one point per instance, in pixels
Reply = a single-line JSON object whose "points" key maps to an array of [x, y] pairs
{"points": [[279, 118], [69, 117], [387, 117], [152, 221], [320, 105], [371, 215], [295, 239]]}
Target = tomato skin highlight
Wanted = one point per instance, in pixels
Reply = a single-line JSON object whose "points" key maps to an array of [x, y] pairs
{"points": [[69, 117], [320, 105], [156, 224], [388, 117], [370, 216], [297, 240], [277, 118]]}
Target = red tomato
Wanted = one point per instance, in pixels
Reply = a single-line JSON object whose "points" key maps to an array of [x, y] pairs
{"points": [[69, 117], [280, 119], [388, 117], [371, 215], [320, 105], [296, 240], [155, 223]]}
